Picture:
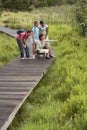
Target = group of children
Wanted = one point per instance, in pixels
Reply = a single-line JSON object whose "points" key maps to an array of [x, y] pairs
{"points": [[40, 43]]}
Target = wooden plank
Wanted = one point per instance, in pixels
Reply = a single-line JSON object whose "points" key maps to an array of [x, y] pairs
{"points": [[23, 71], [28, 64], [19, 74], [1, 123], [7, 96], [14, 93], [4, 114], [7, 101], [14, 90], [8, 80], [13, 102], [19, 77], [18, 84], [5, 109]]}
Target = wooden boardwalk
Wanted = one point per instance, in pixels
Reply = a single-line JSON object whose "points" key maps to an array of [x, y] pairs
{"points": [[17, 80]]}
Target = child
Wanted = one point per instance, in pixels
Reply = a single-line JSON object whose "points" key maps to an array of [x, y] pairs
{"points": [[43, 28], [35, 30]]}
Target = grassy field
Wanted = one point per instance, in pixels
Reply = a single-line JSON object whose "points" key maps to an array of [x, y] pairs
{"points": [[8, 49], [59, 102], [25, 19]]}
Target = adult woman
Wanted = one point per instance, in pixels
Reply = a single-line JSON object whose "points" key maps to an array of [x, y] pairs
{"points": [[42, 46], [21, 40]]}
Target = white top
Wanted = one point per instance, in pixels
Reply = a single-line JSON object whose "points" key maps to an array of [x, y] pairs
{"points": [[40, 46], [43, 29]]}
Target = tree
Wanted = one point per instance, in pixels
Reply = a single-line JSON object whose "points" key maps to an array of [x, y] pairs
{"points": [[25, 4], [81, 13]]}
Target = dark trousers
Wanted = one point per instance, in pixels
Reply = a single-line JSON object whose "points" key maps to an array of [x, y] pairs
{"points": [[21, 48]]}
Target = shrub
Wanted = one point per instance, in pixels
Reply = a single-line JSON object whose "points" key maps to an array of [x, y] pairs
{"points": [[81, 14], [32, 7]]}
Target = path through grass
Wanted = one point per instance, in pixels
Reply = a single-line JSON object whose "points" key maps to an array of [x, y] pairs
{"points": [[59, 101]]}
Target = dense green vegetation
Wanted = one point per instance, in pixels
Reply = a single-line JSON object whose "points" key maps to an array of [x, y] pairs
{"points": [[59, 101], [82, 11], [8, 49], [81, 14], [30, 4], [25, 19]]}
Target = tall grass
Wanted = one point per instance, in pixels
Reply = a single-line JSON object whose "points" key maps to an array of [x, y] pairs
{"points": [[59, 101], [8, 49], [52, 15]]}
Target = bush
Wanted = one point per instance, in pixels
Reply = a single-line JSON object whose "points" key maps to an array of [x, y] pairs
{"points": [[7, 51], [71, 1], [81, 14], [32, 7]]}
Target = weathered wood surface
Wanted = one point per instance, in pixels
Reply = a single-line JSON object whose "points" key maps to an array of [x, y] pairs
{"points": [[8, 31], [17, 80]]}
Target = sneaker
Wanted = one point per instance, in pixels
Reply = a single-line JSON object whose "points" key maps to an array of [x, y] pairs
{"points": [[52, 55], [33, 57], [22, 58], [27, 58], [47, 57]]}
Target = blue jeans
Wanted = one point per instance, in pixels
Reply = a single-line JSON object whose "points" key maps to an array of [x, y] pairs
{"points": [[21, 48]]}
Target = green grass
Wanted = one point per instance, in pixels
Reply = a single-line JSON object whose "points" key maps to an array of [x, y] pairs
{"points": [[8, 49], [50, 15], [59, 101]]}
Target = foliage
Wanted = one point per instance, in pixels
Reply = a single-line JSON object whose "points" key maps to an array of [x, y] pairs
{"points": [[8, 49], [59, 101], [81, 13], [25, 19], [27, 4]]}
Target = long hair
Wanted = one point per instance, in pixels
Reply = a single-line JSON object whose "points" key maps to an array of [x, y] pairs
{"points": [[40, 36]]}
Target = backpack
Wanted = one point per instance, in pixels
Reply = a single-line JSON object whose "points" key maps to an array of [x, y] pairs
{"points": [[21, 31]]}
